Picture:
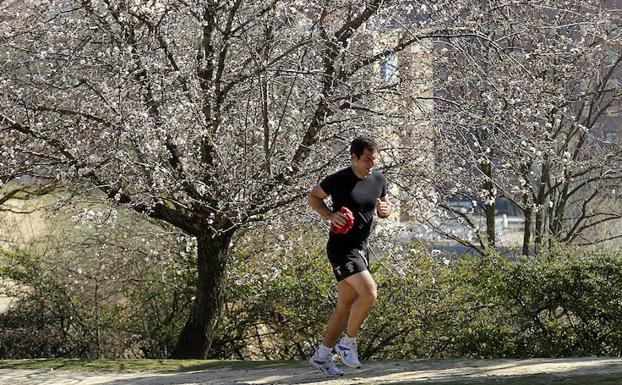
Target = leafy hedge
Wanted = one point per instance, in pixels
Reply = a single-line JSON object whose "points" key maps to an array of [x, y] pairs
{"points": [[281, 293], [568, 304], [90, 292]]}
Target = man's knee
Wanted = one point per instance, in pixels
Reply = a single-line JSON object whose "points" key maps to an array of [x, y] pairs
{"points": [[372, 296], [365, 286], [369, 295]]}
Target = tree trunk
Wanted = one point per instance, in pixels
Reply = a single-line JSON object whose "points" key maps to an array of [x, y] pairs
{"points": [[527, 210], [198, 333], [540, 234], [489, 206], [527, 231], [489, 212]]}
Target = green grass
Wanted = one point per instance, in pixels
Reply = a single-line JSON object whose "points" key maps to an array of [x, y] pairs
{"points": [[76, 364]]}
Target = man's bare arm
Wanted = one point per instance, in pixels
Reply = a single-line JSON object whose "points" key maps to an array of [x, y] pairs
{"points": [[316, 200]]}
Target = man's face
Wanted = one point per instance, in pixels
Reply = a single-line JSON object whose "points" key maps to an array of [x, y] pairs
{"points": [[365, 163]]}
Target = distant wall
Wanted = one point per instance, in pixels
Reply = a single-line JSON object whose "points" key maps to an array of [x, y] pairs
{"points": [[22, 221]]}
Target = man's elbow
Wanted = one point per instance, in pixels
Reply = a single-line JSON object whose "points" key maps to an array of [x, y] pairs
{"points": [[311, 200]]}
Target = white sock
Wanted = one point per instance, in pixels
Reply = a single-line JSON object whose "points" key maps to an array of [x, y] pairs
{"points": [[349, 340], [323, 352]]}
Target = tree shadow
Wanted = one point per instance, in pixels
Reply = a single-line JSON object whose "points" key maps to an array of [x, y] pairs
{"points": [[520, 372]]}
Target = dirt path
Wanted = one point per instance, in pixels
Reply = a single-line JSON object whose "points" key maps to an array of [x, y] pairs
{"points": [[372, 373]]}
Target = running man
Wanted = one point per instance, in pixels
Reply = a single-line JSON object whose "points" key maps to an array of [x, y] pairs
{"points": [[362, 191]]}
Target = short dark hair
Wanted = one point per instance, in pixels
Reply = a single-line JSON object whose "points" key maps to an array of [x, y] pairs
{"points": [[361, 143]]}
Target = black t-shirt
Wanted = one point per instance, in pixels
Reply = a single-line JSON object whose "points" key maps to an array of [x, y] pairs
{"points": [[359, 195]]}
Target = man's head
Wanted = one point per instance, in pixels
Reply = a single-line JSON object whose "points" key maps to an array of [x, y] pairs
{"points": [[364, 152]]}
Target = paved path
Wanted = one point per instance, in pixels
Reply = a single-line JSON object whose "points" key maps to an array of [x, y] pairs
{"points": [[372, 373]]}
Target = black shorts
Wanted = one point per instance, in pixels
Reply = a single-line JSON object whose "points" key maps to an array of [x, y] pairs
{"points": [[347, 261]]}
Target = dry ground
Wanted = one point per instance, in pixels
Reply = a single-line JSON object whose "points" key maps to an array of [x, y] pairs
{"points": [[394, 373]]}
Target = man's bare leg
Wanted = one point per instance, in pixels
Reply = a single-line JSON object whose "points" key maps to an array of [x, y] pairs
{"points": [[365, 288], [346, 296], [322, 358], [366, 291]]}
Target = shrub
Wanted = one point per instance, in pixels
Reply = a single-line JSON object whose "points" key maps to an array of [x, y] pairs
{"points": [[113, 295], [566, 305], [94, 292]]}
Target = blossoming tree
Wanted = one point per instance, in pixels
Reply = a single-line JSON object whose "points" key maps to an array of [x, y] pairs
{"points": [[206, 114]]}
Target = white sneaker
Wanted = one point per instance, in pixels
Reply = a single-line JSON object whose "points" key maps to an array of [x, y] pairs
{"points": [[348, 353], [327, 366]]}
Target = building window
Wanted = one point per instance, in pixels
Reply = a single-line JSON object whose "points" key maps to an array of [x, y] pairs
{"points": [[388, 68], [611, 137]]}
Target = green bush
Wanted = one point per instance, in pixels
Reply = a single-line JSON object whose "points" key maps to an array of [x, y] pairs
{"points": [[566, 305], [115, 295], [279, 298], [96, 292]]}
